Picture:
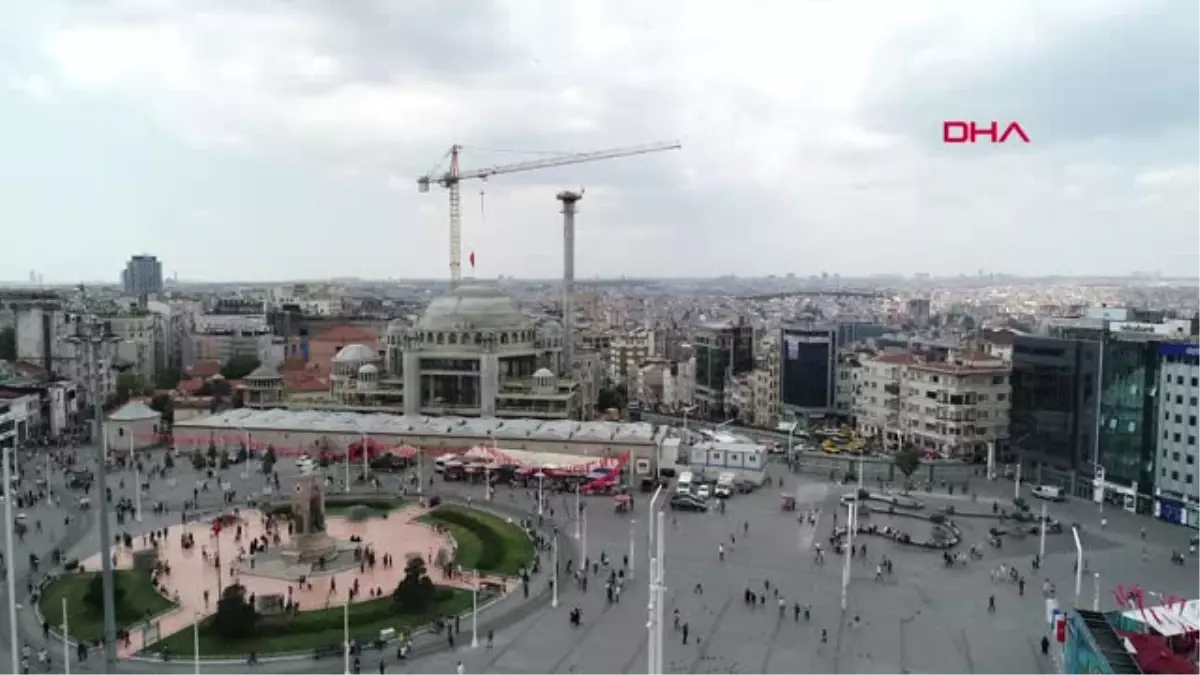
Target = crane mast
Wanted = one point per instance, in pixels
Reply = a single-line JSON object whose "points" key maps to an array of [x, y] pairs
{"points": [[453, 177]]}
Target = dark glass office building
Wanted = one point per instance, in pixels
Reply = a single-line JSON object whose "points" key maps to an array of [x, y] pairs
{"points": [[808, 370], [721, 348], [1129, 419], [1053, 416]]}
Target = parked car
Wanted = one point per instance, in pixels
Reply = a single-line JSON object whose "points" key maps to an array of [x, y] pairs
{"points": [[686, 501], [1050, 492], [704, 491]]}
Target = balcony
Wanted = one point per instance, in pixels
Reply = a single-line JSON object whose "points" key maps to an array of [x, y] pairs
{"points": [[891, 389]]}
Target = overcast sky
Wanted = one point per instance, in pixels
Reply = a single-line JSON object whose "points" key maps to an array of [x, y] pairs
{"points": [[281, 139]]}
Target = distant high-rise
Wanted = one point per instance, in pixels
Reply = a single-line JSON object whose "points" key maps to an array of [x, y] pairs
{"points": [[142, 276]]}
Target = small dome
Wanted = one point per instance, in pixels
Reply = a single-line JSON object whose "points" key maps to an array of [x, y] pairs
{"points": [[397, 326], [134, 411], [368, 369], [543, 372], [551, 328], [265, 372], [355, 354]]}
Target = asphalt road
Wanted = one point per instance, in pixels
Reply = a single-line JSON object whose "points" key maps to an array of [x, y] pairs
{"points": [[923, 618]]}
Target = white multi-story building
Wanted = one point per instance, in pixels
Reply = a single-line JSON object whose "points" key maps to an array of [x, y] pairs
{"points": [[224, 336], [765, 382], [16, 411], [957, 407], [847, 382], [1175, 487]]}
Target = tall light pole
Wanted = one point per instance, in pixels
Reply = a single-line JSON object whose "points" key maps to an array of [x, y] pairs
{"points": [[1098, 476], [661, 590], [1096, 592], [554, 560], [540, 499], [1017, 483], [420, 473], [347, 463], [1078, 564], [1042, 536], [475, 613], [578, 512], [90, 335], [850, 515], [10, 569], [632, 550], [366, 455], [66, 630], [196, 641], [346, 633], [137, 481]]}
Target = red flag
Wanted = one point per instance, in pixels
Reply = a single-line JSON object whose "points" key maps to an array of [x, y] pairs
{"points": [[471, 258]]}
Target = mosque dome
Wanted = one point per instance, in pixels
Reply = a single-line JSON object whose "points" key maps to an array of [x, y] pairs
{"points": [[474, 307], [355, 354]]}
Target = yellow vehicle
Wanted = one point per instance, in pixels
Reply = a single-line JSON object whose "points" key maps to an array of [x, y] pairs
{"points": [[830, 447]]}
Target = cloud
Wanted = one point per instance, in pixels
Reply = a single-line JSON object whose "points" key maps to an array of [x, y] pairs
{"points": [[811, 130]]}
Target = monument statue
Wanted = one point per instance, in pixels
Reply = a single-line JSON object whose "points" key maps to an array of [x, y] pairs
{"points": [[309, 543]]}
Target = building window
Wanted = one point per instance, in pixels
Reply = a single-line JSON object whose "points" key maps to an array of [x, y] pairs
{"points": [[1175, 457], [1174, 475], [1192, 420], [1178, 437], [1178, 379], [1191, 440], [1189, 479], [1178, 399]]}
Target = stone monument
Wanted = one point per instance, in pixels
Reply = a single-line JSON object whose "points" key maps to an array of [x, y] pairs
{"points": [[309, 543]]}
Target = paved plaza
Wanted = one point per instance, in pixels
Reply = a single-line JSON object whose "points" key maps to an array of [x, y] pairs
{"points": [[922, 618]]}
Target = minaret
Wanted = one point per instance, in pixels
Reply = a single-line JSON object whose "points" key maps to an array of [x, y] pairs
{"points": [[568, 199]]}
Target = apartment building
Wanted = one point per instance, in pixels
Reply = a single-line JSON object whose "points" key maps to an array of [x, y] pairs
{"points": [[141, 341], [847, 382], [222, 337], [1176, 495], [765, 383], [957, 407], [43, 339], [626, 354]]}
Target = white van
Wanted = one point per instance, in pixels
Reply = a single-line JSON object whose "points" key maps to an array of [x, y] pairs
{"points": [[725, 485], [1051, 492], [439, 464], [684, 484]]}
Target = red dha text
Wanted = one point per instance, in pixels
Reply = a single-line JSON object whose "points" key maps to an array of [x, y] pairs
{"points": [[958, 131]]}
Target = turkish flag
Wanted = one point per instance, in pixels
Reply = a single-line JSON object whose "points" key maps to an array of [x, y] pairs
{"points": [[471, 258], [216, 527]]}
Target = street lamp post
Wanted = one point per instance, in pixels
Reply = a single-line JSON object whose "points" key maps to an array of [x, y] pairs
{"points": [[540, 499], [366, 455], [66, 632], [1017, 483], [1078, 564], [578, 512], [654, 575], [1042, 536], [89, 335], [196, 642], [1096, 592], [137, 481], [660, 604], [554, 574], [475, 613], [10, 569], [850, 514], [632, 551], [346, 634], [347, 463]]}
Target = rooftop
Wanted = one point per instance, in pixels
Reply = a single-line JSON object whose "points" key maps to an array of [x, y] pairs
{"points": [[419, 425]]}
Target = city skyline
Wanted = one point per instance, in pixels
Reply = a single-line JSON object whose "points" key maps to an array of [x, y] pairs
{"points": [[284, 143]]}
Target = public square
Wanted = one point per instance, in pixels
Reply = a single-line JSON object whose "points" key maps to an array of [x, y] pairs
{"points": [[923, 617]]}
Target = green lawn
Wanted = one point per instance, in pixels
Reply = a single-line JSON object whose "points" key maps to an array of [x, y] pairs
{"points": [[309, 630], [140, 602], [486, 542]]}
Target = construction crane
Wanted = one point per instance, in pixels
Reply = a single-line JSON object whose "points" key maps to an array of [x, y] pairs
{"points": [[451, 178]]}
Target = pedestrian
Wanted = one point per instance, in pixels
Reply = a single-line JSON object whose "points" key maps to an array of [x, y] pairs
{"points": [[381, 667], [1045, 646], [991, 604], [1021, 586], [824, 636], [491, 638], [685, 630], [459, 669]]}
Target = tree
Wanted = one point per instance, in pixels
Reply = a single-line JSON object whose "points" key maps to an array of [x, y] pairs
{"points": [[130, 384], [212, 453], [8, 344], [198, 460], [165, 405], [168, 378], [169, 461], [415, 593], [93, 597], [235, 618], [907, 460], [609, 397], [238, 367]]}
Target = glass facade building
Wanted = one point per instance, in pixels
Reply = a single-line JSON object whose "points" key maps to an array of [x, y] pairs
{"points": [[1128, 421], [807, 369], [1053, 415]]}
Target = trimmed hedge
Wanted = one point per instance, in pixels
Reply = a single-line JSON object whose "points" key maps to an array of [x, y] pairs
{"points": [[486, 542]]}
